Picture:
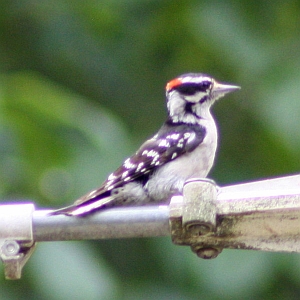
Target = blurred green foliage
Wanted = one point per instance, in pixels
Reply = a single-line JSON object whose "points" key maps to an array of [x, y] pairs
{"points": [[82, 85]]}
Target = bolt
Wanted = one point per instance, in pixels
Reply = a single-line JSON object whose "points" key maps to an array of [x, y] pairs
{"points": [[207, 253], [198, 229], [10, 248]]}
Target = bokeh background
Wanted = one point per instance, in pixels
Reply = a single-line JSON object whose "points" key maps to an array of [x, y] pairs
{"points": [[82, 86]]}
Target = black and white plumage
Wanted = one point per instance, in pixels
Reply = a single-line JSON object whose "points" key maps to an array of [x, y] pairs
{"points": [[183, 148]]}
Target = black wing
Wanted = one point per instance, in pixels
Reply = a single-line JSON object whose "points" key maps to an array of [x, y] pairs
{"points": [[172, 141]]}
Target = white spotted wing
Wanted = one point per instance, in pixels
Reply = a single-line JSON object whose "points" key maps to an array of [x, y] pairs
{"points": [[171, 142]]}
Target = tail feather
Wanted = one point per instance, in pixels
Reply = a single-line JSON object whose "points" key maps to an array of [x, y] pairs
{"points": [[83, 208], [63, 211]]}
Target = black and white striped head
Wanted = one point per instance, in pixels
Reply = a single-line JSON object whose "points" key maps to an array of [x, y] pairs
{"points": [[191, 95]]}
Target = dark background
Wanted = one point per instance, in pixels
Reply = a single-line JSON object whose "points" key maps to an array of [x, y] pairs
{"points": [[82, 86]]}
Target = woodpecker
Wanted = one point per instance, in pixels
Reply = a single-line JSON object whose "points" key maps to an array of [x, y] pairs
{"points": [[183, 148]]}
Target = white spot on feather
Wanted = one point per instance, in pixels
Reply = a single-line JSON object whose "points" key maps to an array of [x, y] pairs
{"points": [[128, 164], [111, 177], [125, 174], [92, 193], [191, 137], [174, 136], [140, 165], [174, 155], [180, 143], [163, 143], [152, 153]]}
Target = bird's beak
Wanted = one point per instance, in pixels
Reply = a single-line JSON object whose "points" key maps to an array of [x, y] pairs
{"points": [[221, 89]]}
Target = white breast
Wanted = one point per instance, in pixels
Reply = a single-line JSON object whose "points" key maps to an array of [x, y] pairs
{"points": [[170, 178]]}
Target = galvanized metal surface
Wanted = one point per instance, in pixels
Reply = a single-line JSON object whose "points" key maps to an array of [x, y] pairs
{"points": [[16, 239], [263, 215], [107, 224]]}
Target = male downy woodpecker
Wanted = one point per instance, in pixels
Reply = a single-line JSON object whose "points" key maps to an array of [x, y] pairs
{"points": [[183, 148]]}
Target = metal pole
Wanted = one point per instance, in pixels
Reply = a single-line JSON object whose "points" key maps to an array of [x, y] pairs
{"points": [[262, 215], [124, 222]]}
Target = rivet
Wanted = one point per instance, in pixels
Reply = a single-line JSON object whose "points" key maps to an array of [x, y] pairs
{"points": [[207, 253], [198, 229], [10, 248]]}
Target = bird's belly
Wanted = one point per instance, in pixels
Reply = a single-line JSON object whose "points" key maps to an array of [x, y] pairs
{"points": [[170, 178]]}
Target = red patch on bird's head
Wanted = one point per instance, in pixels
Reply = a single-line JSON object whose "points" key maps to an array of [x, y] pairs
{"points": [[173, 84]]}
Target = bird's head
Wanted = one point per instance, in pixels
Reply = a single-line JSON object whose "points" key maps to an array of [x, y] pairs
{"points": [[190, 96]]}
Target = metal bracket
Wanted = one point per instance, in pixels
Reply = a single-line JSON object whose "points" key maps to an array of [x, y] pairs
{"points": [[262, 215], [16, 238], [194, 216]]}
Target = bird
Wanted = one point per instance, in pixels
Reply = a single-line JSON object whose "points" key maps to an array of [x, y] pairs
{"points": [[182, 149]]}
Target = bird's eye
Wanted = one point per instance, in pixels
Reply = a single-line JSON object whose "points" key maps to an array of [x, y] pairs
{"points": [[206, 84], [188, 89]]}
